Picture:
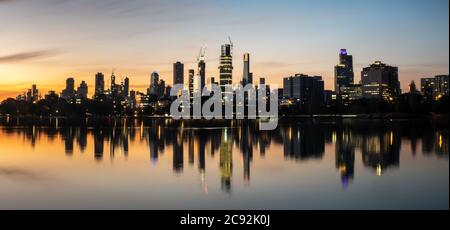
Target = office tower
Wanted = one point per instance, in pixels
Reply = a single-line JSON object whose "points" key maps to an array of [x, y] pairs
{"points": [[178, 73], [247, 76], [133, 99], [161, 88], [126, 87], [288, 87], [33, 94], [70, 84], [99, 84], [350, 93], [441, 84], [167, 90], [380, 81], [343, 72], [201, 73], [154, 80], [82, 90], [434, 87], [69, 92], [114, 88], [427, 88], [191, 82], [308, 90], [226, 69], [262, 81]]}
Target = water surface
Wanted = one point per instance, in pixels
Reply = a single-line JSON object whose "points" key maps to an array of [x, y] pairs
{"points": [[154, 165]]}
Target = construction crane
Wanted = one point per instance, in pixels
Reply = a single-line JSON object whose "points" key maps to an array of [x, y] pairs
{"points": [[201, 54], [231, 45]]}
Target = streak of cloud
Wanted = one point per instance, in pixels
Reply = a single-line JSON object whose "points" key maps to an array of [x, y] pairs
{"points": [[19, 57]]}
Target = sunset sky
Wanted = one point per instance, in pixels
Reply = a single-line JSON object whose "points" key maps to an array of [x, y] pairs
{"points": [[46, 41]]}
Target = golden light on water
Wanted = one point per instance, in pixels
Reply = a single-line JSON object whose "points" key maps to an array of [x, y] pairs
{"points": [[378, 170], [391, 139]]}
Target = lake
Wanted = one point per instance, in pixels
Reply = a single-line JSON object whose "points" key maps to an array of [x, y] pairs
{"points": [[155, 164]]}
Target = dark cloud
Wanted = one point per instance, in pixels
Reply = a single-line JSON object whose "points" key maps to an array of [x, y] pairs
{"points": [[18, 57]]}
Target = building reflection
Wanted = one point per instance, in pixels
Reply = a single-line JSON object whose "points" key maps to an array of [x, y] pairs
{"points": [[226, 159], [381, 150], [377, 145], [345, 155]]}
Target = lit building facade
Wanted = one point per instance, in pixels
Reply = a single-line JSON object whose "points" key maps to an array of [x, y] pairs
{"points": [[380, 81], [343, 72], [226, 70]]}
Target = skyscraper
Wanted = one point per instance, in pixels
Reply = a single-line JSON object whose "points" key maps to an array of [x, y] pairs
{"points": [[69, 92], [82, 90], [154, 80], [435, 87], [441, 85], [114, 89], [308, 90], [99, 83], [343, 72], [126, 87], [226, 69], [246, 77], [178, 73], [380, 81], [191, 82], [201, 74]]}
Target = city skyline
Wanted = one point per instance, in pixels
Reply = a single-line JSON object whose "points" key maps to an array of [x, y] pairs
{"points": [[417, 42]]}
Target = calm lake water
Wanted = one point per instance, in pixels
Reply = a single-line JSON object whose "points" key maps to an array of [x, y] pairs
{"points": [[152, 164]]}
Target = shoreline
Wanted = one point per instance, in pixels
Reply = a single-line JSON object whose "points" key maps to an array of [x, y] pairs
{"points": [[147, 121]]}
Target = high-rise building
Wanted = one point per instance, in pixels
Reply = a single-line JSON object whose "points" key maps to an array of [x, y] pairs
{"points": [[114, 88], [343, 72], [82, 90], [99, 84], [247, 76], [308, 90], [350, 93], [191, 82], [33, 94], [126, 87], [178, 73], [132, 99], [427, 88], [157, 86], [434, 87], [69, 92], [201, 73], [226, 70], [441, 85], [380, 81], [70, 84]]}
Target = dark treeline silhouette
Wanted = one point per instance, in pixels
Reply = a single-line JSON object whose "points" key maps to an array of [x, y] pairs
{"points": [[408, 104]]}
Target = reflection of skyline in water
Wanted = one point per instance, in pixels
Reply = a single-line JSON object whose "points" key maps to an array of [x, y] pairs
{"points": [[379, 144]]}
